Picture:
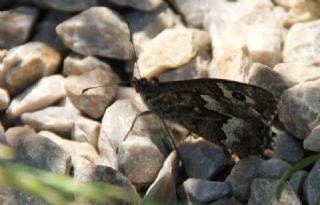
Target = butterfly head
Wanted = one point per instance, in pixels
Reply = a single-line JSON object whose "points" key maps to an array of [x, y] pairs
{"points": [[145, 86]]}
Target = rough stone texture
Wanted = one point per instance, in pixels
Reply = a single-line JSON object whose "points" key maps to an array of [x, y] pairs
{"points": [[262, 193], [4, 99], [298, 48], [145, 5], [272, 168], [311, 187], [202, 159], [296, 181], [23, 65], [93, 102], [77, 65], [86, 130], [201, 190], [16, 25], [164, 186], [160, 53], [55, 119], [299, 108], [312, 141], [46, 92], [70, 6], [140, 160], [227, 201], [105, 34]]}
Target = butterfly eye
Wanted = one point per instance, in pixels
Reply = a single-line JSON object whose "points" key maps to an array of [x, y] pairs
{"points": [[238, 96]]}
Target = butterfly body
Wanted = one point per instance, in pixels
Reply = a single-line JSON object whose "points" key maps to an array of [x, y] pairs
{"points": [[232, 114]]}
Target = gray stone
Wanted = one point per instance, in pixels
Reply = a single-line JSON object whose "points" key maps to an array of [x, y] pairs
{"points": [[4, 99], [202, 159], [288, 148], [311, 187], [227, 201], [164, 186], [86, 130], [69, 6], [55, 119], [16, 25], [312, 141], [23, 65], [11, 196], [97, 31], [296, 181], [263, 193], [272, 168], [299, 109], [93, 102], [140, 160], [204, 191], [241, 176], [145, 5], [46, 92]]}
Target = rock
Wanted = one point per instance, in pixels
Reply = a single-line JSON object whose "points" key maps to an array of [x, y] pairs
{"points": [[82, 149], [272, 168], [86, 130], [77, 65], [288, 148], [204, 191], [295, 73], [66, 102], [93, 102], [299, 110], [13, 135], [311, 187], [47, 25], [140, 160], [12, 196], [296, 40], [202, 159], [116, 123], [164, 186], [68, 6], [4, 99], [160, 53], [42, 153], [16, 25], [55, 119], [241, 176], [46, 92], [312, 141], [227, 201], [262, 193], [296, 181], [23, 65], [104, 34], [145, 5]]}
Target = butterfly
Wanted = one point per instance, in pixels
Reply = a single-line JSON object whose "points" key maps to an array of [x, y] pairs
{"points": [[234, 115]]}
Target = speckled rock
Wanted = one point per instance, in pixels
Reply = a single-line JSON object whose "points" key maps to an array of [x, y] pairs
{"points": [[85, 130], [227, 201], [299, 110], [145, 5], [4, 99], [263, 193], [105, 34], [16, 25], [160, 53], [296, 181], [70, 6], [202, 159], [311, 187], [46, 92], [94, 101], [200, 190], [140, 160], [312, 141], [23, 65]]}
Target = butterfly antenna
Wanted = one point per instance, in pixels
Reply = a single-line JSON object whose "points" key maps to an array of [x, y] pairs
{"points": [[134, 49], [105, 85]]}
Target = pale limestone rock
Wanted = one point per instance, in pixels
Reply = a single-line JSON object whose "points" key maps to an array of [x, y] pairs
{"points": [[86, 130], [82, 149], [55, 119], [4, 99], [145, 5], [77, 65], [164, 186], [312, 141], [298, 48], [14, 134], [140, 160], [170, 49], [67, 6], [93, 102], [299, 110], [27, 63], [66, 102], [46, 92], [97, 31], [16, 25]]}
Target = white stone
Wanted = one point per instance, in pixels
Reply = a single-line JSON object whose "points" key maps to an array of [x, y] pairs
{"points": [[86, 130], [4, 99]]}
